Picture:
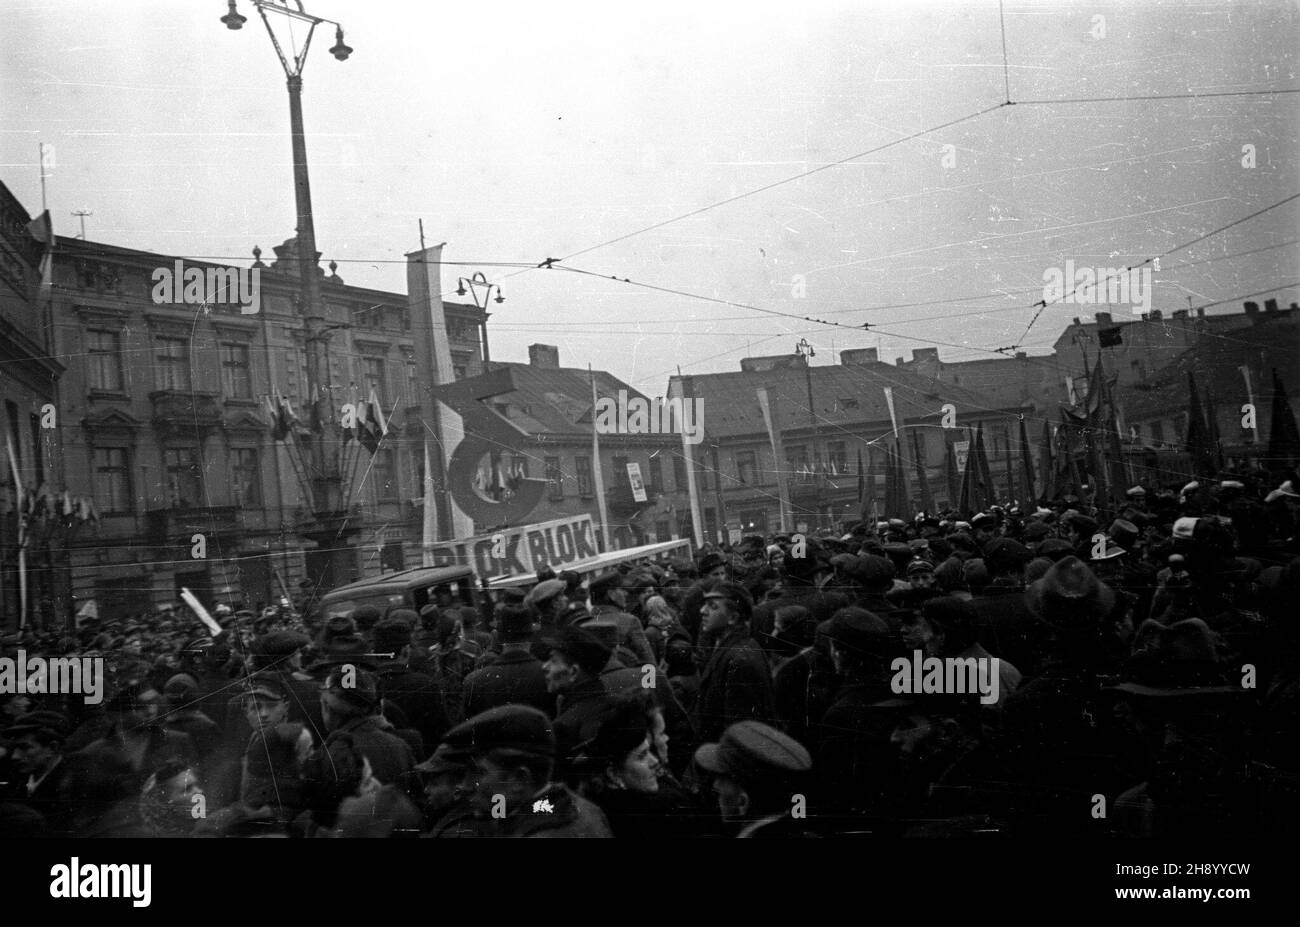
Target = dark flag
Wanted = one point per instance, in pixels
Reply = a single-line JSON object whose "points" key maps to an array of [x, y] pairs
{"points": [[1110, 337], [1211, 421], [1027, 465], [1197, 441], [1046, 465], [862, 485], [1010, 470], [951, 476], [868, 491], [891, 485], [922, 478], [983, 475], [1283, 434], [900, 480]]}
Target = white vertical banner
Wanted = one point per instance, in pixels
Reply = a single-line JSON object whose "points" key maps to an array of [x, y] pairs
{"points": [[638, 485], [889, 401], [597, 470], [677, 390]]}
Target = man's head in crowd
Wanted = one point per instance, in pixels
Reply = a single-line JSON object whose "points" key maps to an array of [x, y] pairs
{"points": [[36, 741], [726, 605], [511, 751], [757, 771], [349, 693], [267, 701], [714, 566], [577, 655], [549, 600]]}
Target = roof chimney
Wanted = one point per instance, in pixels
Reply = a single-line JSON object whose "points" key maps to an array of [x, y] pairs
{"points": [[1270, 305], [1103, 318], [544, 355], [1179, 314], [925, 354], [898, 361], [1021, 355], [1156, 315], [860, 356]]}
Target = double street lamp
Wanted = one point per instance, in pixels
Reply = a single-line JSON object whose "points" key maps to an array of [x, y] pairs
{"points": [[325, 484]]}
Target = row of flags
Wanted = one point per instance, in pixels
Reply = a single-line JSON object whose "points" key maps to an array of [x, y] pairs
{"points": [[368, 427]]}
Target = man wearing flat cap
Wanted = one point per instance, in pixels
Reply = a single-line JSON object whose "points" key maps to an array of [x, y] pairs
{"points": [[509, 778], [573, 669], [759, 774], [36, 744], [608, 601], [736, 683], [549, 603]]}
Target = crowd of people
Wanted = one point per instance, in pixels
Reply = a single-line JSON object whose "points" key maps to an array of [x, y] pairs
{"points": [[1148, 684]]}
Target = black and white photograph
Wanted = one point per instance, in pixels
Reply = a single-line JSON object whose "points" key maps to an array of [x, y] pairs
{"points": [[857, 422]]}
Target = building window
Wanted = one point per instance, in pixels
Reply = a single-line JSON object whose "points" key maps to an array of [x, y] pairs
{"points": [[183, 474], [384, 475], [583, 466], [458, 371], [745, 465], [655, 479], [554, 479], [620, 472], [104, 350], [519, 465], [412, 384], [372, 378], [679, 472], [662, 531], [1157, 433], [112, 481], [797, 459], [236, 381], [711, 524], [246, 475], [837, 458], [172, 364]]}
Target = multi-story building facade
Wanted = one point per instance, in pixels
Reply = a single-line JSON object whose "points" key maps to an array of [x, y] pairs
{"points": [[29, 382], [166, 423], [824, 417]]}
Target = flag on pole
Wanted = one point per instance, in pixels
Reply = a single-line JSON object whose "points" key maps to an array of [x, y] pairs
{"points": [[922, 477], [599, 476], [1027, 464], [372, 429], [1283, 434], [951, 477], [889, 401], [42, 229], [1198, 441]]}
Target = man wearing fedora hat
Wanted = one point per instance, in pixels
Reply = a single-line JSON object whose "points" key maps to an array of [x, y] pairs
{"points": [[736, 683], [36, 744], [516, 676], [1186, 704]]}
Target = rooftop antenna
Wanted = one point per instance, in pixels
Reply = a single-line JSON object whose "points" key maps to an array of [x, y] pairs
{"points": [[81, 214]]}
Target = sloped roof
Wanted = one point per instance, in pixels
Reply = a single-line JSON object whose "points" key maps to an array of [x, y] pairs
{"points": [[1273, 342], [842, 395], [557, 399]]}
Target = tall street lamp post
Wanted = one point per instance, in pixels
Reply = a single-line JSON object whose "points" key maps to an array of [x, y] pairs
{"points": [[325, 481]]}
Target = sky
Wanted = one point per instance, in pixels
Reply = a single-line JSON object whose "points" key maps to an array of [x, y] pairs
{"points": [[520, 132]]}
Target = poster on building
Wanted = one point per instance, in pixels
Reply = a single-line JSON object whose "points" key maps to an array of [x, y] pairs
{"points": [[960, 450], [560, 544], [638, 485]]}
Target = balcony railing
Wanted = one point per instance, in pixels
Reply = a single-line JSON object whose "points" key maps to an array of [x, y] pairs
{"points": [[175, 409], [178, 523]]}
